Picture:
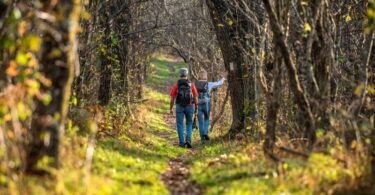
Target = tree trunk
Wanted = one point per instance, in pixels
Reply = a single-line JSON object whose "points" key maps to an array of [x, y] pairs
{"points": [[47, 125], [105, 80], [233, 61], [273, 106], [5, 10]]}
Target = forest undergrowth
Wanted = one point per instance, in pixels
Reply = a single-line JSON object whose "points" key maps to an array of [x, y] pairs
{"points": [[84, 96], [131, 158]]}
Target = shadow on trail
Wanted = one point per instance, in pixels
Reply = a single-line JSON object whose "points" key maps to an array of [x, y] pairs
{"points": [[118, 146], [233, 177]]}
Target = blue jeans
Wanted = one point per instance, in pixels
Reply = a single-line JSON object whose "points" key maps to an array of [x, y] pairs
{"points": [[204, 119], [187, 112]]}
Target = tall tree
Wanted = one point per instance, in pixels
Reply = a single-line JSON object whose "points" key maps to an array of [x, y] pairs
{"points": [[231, 27], [47, 125]]}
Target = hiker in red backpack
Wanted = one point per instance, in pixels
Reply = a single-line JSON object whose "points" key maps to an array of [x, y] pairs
{"points": [[204, 106], [186, 96]]}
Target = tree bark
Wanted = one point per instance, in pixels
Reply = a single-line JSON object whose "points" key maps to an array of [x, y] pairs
{"points": [[47, 125], [273, 106], [105, 80], [233, 61]]}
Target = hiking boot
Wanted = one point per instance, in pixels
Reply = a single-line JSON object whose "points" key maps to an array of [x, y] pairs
{"points": [[206, 137], [181, 146], [188, 144]]}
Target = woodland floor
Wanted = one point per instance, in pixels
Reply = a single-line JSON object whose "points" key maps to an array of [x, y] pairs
{"points": [[146, 160]]}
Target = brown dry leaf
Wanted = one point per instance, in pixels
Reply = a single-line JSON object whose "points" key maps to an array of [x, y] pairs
{"points": [[12, 69], [22, 28], [46, 82], [7, 117], [33, 63]]}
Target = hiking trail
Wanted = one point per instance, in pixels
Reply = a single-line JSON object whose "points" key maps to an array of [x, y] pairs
{"points": [[150, 161], [176, 178]]}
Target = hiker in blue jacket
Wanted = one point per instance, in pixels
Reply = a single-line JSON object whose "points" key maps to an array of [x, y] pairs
{"points": [[204, 106]]}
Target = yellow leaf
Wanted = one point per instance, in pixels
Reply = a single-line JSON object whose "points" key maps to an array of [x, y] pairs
{"points": [[23, 111], [253, 50], [46, 98], [358, 90], [285, 166], [304, 3], [86, 15], [371, 90], [348, 18], [74, 100], [307, 27], [350, 8], [34, 42], [371, 13], [230, 22], [21, 59], [220, 25], [33, 84], [55, 53]]}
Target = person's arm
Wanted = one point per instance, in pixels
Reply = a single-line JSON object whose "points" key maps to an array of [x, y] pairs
{"points": [[212, 85], [173, 98], [171, 104], [216, 84]]}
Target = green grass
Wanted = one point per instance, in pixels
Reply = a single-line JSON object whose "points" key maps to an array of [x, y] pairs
{"points": [[130, 163], [236, 167], [133, 166], [224, 167], [220, 167], [133, 162], [161, 74]]}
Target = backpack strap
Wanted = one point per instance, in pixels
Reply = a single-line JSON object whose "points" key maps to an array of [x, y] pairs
{"points": [[202, 86]]}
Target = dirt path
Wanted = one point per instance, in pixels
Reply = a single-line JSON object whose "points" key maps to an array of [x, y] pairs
{"points": [[177, 177]]}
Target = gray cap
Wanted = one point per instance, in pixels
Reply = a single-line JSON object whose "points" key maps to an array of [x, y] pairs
{"points": [[184, 72]]}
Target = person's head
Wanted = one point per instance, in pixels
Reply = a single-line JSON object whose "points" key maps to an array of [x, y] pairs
{"points": [[184, 72], [202, 75]]}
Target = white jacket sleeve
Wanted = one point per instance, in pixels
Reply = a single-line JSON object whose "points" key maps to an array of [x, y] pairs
{"points": [[212, 85]]}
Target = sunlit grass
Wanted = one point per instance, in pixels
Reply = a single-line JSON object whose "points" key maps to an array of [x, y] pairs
{"points": [[132, 166], [133, 162], [163, 71], [234, 167]]}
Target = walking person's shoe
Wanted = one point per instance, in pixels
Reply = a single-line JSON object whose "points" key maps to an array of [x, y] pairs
{"points": [[182, 146], [188, 144], [206, 137]]}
